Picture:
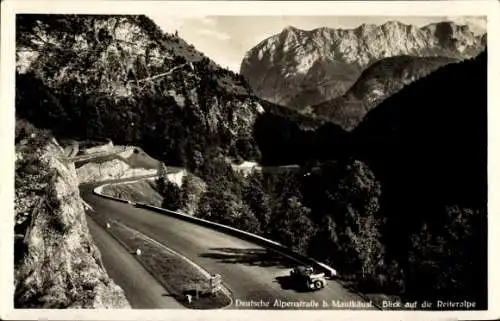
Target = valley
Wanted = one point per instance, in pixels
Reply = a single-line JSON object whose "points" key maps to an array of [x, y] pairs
{"points": [[346, 147]]}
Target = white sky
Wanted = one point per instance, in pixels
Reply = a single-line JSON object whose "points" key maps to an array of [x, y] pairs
{"points": [[225, 39]]}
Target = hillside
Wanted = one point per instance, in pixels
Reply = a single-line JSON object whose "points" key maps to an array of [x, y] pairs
{"points": [[399, 204], [56, 263], [377, 82], [120, 77], [286, 137], [300, 68], [427, 144]]}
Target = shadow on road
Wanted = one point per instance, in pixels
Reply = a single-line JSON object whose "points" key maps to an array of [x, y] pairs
{"points": [[256, 257], [287, 283], [168, 294]]}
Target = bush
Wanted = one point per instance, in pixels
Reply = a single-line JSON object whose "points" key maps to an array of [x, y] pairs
{"points": [[444, 257], [344, 198], [172, 196], [256, 198], [191, 191], [290, 224]]}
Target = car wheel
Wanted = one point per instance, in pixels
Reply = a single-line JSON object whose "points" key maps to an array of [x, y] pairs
{"points": [[318, 284]]}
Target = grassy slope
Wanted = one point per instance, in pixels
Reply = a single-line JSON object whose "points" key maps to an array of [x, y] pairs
{"points": [[135, 160], [142, 191]]}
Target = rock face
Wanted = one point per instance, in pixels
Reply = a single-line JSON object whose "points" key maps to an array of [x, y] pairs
{"points": [[56, 264], [113, 169], [379, 81], [299, 68], [121, 77]]}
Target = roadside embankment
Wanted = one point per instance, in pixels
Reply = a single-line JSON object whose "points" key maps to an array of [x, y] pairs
{"points": [[178, 275], [146, 190], [143, 191], [118, 162]]}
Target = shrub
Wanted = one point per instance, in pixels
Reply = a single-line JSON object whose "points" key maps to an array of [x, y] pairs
{"points": [[172, 197]]}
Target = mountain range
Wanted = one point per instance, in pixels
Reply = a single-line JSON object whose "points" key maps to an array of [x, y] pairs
{"points": [[378, 81], [401, 113], [299, 68]]}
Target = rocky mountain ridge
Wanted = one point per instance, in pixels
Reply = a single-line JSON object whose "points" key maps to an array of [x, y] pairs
{"points": [[121, 77], [188, 111], [300, 68], [377, 82]]}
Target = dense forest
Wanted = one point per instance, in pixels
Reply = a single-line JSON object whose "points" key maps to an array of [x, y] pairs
{"points": [[378, 81], [402, 211], [286, 137], [428, 147]]}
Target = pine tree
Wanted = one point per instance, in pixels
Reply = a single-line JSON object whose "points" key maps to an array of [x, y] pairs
{"points": [[257, 199], [357, 219], [162, 177], [171, 193], [291, 225], [172, 199]]}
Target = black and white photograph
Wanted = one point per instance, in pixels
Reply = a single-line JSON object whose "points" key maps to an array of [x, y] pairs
{"points": [[181, 160]]}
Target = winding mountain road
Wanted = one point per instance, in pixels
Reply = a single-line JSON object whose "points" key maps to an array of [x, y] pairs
{"points": [[249, 271]]}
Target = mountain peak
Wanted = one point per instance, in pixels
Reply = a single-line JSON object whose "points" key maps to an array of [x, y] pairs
{"points": [[366, 27], [393, 23], [286, 68], [290, 29], [447, 27], [441, 23]]}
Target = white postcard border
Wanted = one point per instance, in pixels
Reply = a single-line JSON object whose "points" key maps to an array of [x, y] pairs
{"points": [[491, 9]]}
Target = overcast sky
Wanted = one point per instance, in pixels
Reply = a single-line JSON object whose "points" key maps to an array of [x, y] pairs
{"points": [[225, 39]]}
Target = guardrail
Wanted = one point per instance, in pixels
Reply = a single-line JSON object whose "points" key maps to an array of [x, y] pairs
{"points": [[85, 157], [299, 258], [98, 191], [329, 271]]}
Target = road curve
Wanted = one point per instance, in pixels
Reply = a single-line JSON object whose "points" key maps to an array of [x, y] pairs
{"points": [[250, 271]]}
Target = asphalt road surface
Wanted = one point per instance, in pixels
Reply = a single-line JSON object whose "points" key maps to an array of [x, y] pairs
{"points": [[249, 271], [141, 289]]}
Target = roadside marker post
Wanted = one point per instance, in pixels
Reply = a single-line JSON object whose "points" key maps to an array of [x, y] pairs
{"points": [[215, 283]]}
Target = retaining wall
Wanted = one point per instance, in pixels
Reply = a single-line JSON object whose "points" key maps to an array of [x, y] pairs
{"points": [[107, 147], [329, 271], [301, 259]]}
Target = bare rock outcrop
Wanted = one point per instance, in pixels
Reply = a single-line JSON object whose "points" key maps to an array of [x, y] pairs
{"points": [[300, 68], [56, 264]]}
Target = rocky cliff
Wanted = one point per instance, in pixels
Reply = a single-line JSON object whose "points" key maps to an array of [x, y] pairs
{"points": [[300, 68], [56, 264], [121, 77], [377, 82]]}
